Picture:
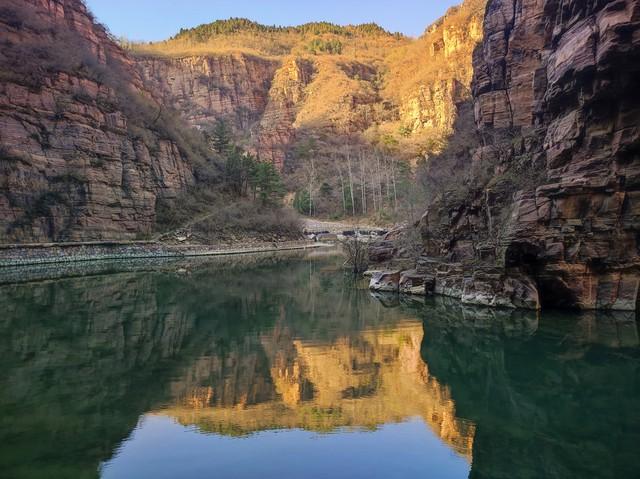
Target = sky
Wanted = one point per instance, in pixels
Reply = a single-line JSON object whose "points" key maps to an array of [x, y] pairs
{"points": [[150, 20]]}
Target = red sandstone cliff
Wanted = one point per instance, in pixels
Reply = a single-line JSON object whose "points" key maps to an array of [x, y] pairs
{"points": [[205, 88], [84, 150], [558, 114], [376, 85]]}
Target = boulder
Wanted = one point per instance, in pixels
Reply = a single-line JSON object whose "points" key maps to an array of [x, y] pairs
{"points": [[498, 290], [412, 282], [385, 281], [381, 251]]}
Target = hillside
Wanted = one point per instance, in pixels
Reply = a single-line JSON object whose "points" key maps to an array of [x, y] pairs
{"points": [[319, 90], [89, 149], [98, 140]]}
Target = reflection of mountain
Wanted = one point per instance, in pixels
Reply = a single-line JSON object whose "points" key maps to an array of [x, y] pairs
{"points": [[83, 358], [289, 344], [560, 403], [274, 380]]}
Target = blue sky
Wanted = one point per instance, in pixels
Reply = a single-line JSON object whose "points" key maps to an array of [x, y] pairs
{"points": [[159, 19]]}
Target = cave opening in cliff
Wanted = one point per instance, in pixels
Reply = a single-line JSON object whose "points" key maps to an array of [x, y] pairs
{"points": [[524, 257], [554, 293]]}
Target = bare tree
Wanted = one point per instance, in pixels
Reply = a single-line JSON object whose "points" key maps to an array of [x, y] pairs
{"points": [[363, 183], [393, 180], [350, 171], [357, 253], [312, 180], [344, 199]]}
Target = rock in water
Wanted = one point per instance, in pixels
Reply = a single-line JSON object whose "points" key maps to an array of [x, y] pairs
{"points": [[385, 281], [412, 282]]}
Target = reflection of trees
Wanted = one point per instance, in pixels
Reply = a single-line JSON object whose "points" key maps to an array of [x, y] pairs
{"points": [[559, 401], [82, 358]]}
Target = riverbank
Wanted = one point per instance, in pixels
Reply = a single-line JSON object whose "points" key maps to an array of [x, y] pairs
{"points": [[16, 255]]}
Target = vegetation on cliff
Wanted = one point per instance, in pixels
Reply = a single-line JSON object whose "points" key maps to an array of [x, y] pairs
{"points": [[205, 32]]}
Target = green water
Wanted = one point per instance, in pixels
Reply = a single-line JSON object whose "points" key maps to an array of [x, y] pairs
{"points": [[279, 367]]}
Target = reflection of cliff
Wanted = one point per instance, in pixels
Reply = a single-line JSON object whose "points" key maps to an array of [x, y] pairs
{"points": [[560, 403], [363, 380], [80, 361], [290, 345], [82, 358]]}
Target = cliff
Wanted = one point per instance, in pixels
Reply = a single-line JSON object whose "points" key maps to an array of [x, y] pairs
{"points": [[234, 87], [432, 75], [545, 212], [86, 151]]}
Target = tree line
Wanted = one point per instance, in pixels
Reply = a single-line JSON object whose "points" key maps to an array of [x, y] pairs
{"points": [[245, 175], [204, 32], [356, 180]]}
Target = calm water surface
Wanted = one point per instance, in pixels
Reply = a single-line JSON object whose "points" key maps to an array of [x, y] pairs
{"points": [[279, 367]]}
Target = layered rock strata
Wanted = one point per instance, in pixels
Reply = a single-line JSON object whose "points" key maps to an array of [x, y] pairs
{"points": [[273, 101], [556, 108], [77, 161], [234, 87]]}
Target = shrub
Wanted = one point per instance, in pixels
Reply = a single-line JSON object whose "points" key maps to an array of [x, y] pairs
{"points": [[242, 217], [318, 45]]}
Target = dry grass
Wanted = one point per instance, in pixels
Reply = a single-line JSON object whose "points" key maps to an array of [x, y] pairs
{"points": [[243, 218]]}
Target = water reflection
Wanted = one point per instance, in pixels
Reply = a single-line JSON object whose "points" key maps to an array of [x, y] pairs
{"points": [[555, 397], [227, 351], [363, 379]]}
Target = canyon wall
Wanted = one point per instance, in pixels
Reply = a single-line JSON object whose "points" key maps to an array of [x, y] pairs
{"points": [[435, 73], [84, 150], [234, 87], [93, 140], [554, 199]]}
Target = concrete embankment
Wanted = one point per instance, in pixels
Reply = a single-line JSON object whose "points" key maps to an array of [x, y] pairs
{"points": [[51, 253]]}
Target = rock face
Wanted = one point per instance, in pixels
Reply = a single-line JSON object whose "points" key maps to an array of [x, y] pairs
{"points": [[287, 93], [435, 74], [554, 100], [77, 161], [204, 88], [90, 144]]}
